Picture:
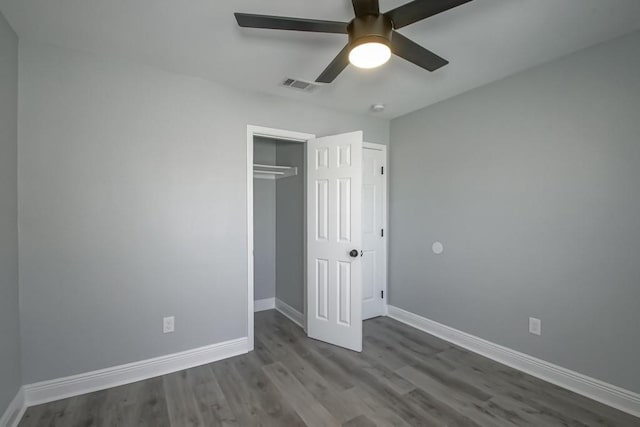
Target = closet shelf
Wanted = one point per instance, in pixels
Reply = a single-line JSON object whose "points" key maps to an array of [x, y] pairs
{"points": [[273, 171]]}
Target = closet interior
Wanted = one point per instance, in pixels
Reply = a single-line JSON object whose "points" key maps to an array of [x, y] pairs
{"points": [[278, 205]]}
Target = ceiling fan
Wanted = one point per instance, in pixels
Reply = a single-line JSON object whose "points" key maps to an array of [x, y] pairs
{"points": [[372, 35]]}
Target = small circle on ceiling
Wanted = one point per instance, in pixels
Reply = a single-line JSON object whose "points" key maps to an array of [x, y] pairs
{"points": [[377, 108]]}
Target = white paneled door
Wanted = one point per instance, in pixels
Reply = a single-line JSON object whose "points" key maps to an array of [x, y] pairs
{"points": [[374, 256], [334, 239]]}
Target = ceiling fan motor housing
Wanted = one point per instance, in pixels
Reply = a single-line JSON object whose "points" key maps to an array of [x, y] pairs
{"points": [[370, 29]]}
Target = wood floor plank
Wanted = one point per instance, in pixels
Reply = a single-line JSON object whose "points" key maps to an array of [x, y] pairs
{"points": [[194, 398], [445, 386], [242, 401], [86, 410], [376, 410], [279, 410], [520, 413], [381, 331], [376, 367], [442, 412], [146, 404], [547, 400], [464, 358], [402, 356], [307, 351], [263, 352], [384, 353], [425, 340], [113, 408], [303, 402], [48, 414], [408, 349], [383, 394], [360, 421], [368, 362], [210, 399], [332, 398], [181, 403]]}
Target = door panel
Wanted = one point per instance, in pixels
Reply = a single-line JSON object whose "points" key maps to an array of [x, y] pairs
{"points": [[334, 229], [344, 210], [344, 293], [322, 288], [373, 241], [368, 207], [322, 210], [368, 275]]}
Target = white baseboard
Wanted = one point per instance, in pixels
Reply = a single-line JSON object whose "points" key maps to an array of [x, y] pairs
{"points": [[14, 412], [294, 315], [592, 388], [61, 388], [264, 304]]}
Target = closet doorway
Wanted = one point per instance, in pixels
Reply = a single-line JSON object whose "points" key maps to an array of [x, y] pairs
{"points": [[316, 229]]}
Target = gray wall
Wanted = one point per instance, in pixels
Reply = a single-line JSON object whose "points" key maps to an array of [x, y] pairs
{"points": [[10, 379], [533, 185], [264, 223], [290, 227], [133, 207]]}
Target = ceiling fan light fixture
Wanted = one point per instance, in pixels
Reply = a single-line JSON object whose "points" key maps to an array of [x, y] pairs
{"points": [[369, 55], [369, 41], [372, 35]]}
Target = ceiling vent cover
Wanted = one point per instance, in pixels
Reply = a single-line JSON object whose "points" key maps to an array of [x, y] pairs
{"points": [[300, 85]]}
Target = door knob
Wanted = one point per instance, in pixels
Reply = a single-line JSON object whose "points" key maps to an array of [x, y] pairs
{"points": [[353, 253]]}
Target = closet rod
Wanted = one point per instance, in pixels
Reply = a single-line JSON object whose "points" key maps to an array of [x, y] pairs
{"points": [[257, 165], [273, 171], [269, 172]]}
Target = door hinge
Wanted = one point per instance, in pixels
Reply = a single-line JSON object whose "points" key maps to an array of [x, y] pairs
{"points": [[382, 294], [382, 232], [381, 170]]}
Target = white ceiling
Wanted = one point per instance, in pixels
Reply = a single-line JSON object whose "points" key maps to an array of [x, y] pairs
{"points": [[485, 40]]}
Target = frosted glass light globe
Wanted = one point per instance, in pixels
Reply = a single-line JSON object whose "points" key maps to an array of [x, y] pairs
{"points": [[369, 55]]}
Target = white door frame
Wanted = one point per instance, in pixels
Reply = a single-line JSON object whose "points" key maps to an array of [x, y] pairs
{"points": [[385, 219], [282, 134]]}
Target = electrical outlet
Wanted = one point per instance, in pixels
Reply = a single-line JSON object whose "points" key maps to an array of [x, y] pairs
{"points": [[168, 324], [535, 326]]}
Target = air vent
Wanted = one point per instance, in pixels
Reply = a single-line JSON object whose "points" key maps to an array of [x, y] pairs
{"points": [[300, 85]]}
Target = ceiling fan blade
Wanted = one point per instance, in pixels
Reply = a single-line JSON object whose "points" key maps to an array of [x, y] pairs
{"points": [[293, 24], [413, 52], [418, 10], [366, 7], [338, 64]]}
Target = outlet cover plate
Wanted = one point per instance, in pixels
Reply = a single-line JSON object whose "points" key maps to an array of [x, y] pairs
{"points": [[168, 324], [535, 326]]}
